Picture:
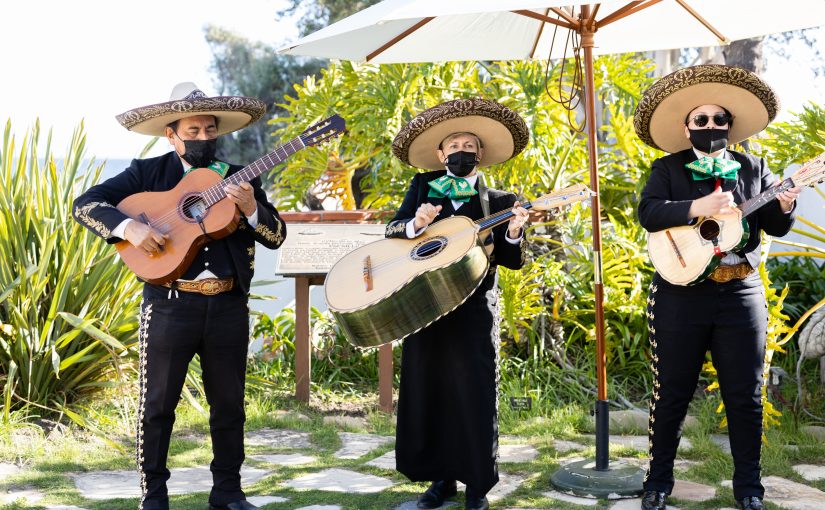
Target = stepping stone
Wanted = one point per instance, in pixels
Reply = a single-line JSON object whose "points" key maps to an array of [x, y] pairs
{"points": [[413, 505], [576, 500], [7, 470], [358, 445], [339, 480], [678, 464], [562, 446], [569, 460], [516, 453], [629, 421], [386, 461], [722, 441], [634, 504], [265, 500], [507, 483], [286, 459], [813, 430], [126, 484], [788, 494], [639, 443], [346, 421], [692, 491], [810, 472], [278, 438], [30, 495], [282, 414]]}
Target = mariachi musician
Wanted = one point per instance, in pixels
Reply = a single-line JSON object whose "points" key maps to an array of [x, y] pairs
{"points": [[205, 311], [694, 114], [448, 404]]}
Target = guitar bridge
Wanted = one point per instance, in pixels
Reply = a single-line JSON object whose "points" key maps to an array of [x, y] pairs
{"points": [[368, 273]]}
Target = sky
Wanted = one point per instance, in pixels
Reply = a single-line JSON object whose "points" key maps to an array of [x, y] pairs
{"points": [[67, 61], [89, 60]]}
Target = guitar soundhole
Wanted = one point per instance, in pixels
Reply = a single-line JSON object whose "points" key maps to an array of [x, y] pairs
{"points": [[428, 248], [709, 230], [194, 208]]}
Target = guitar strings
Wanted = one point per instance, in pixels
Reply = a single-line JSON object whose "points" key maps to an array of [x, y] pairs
{"points": [[215, 193]]}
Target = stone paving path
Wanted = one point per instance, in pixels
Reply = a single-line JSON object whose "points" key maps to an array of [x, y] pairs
{"points": [[276, 448]]}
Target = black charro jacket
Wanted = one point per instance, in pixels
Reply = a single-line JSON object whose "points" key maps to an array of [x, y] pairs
{"points": [[96, 210], [670, 190], [507, 254]]}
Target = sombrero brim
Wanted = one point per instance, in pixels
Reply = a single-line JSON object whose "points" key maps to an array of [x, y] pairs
{"points": [[233, 113], [660, 116], [502, 131]]}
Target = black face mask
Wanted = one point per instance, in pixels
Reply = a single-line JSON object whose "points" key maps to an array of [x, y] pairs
{"points": [[461, 163], [709, 140], [199, 153]]}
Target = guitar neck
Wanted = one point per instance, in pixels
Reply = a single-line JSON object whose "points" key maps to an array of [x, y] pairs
{"points": [[216, 193], [763, 198], [498, 218]]}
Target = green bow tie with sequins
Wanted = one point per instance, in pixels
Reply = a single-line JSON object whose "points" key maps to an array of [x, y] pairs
{"points": [[455, 188], [714, 168]]}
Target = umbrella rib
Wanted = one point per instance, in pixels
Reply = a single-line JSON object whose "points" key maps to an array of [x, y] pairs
{"points": [[564, 15], [538, 36], [399, 37], [627, 10], [591, 21], [546, 19], [703, 21]]}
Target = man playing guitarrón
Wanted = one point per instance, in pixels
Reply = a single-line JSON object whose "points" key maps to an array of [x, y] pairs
{"points": [[203, 312], [694, 114], [447, 405]]}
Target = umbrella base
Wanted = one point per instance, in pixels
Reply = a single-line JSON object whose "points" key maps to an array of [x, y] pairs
{"points": [[620, 480]]}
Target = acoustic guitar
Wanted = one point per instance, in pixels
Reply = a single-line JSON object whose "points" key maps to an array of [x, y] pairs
{"points": [[686, 255], [388, 289], [197, 210]]}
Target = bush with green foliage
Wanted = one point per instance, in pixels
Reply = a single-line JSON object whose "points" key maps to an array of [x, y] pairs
{"points": [[67, 305]]}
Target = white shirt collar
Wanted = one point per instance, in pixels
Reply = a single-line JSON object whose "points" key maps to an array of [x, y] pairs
{"points": [[700, 154], [471, 180]]}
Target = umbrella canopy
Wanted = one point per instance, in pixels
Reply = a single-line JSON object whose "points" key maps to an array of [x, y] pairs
{"points": [[436, 30]]}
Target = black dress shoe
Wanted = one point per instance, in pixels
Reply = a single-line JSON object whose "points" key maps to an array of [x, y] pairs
{"points": [[235, 505], [653, 500], [475, 501], [750, 503], [439, 491]]}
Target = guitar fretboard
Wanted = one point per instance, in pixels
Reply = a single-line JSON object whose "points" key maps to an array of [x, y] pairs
{"points": [[763, 198], [215, 194], [498, 218]]}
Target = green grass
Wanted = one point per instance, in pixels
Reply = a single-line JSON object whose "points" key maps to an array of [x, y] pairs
{"points": [[50, 460]]}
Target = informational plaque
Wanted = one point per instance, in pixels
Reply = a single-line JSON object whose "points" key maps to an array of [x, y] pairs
{"points": [[313, 248]]}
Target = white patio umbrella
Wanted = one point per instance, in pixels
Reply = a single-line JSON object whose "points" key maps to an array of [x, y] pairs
{"points": [[395, 31]]}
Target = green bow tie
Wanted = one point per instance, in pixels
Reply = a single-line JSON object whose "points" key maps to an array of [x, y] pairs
{"points": [[455, 188], [710, 168]]}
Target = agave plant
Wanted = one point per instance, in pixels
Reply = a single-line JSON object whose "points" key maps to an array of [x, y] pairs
{"points": [[67, 305]]}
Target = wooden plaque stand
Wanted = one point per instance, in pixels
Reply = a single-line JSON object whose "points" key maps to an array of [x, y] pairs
{"points": [[302, 306]]}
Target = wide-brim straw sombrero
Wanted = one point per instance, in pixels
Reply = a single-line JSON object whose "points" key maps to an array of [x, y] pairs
{"points": [[502, 132], [187, 100], [660, 116]]}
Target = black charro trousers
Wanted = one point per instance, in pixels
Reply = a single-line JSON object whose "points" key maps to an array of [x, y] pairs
{"points": [[729, 320], [172, 330]]}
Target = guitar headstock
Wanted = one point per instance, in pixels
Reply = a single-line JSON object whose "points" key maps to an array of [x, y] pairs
{"points": [[812, 172], [562, 197], [324, 130]]}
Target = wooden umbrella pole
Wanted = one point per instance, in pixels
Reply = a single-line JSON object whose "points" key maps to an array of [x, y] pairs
{"points": [[602, 420]]}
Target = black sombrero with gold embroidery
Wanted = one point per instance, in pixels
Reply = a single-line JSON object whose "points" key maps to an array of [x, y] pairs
{"points": [[186, 100], [502, 132], [660, 116]]}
